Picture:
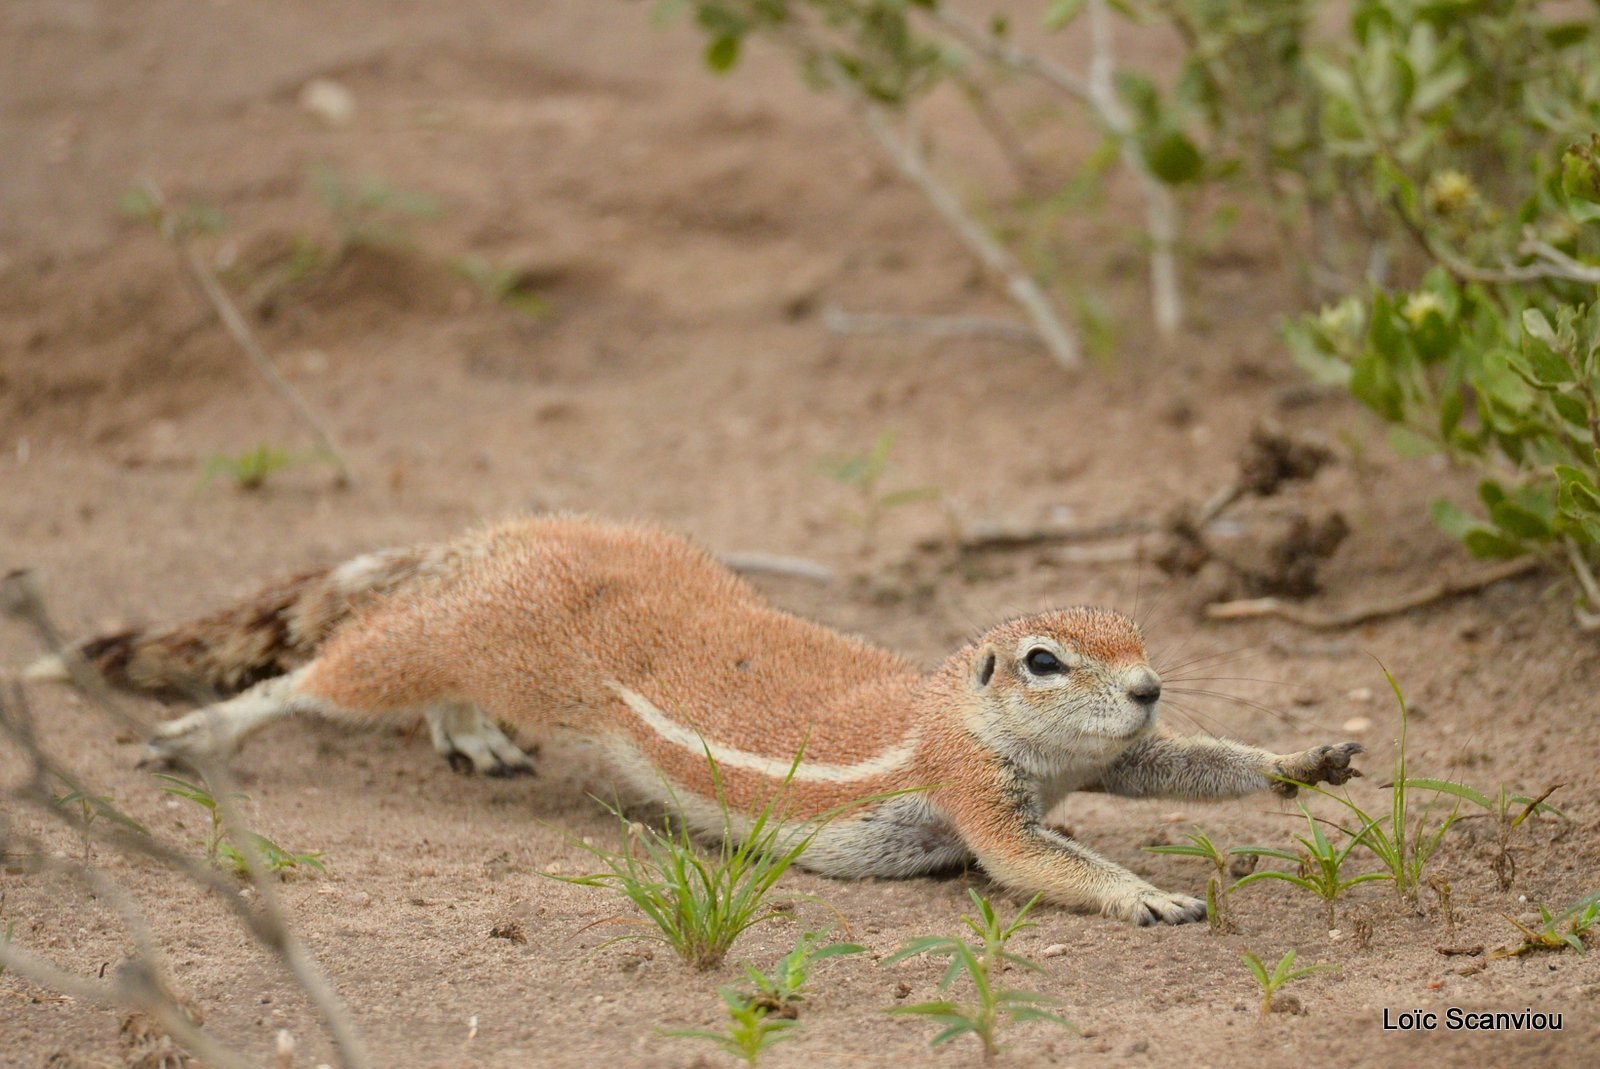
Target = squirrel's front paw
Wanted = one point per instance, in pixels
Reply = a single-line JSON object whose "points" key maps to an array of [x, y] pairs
{"points": [[1145, 905], [1321, 764]]}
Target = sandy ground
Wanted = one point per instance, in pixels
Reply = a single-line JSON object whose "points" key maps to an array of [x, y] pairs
{"points": [[686, 232]]}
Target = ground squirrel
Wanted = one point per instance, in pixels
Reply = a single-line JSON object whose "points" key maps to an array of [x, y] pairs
{"points": [[641, 643]]}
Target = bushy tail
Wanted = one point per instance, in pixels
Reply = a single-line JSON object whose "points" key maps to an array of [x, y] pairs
{"points": [[269, 634]]}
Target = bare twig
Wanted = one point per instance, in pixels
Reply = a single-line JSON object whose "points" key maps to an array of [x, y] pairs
{"points": [[1549, 261], [138, 982], [771, 564], [990, 537], [1161, 213], [205, 281], [1256, 608], [1588, 618], [264, 919], [1115, 553], [841, 322], [1023, 168], [1558, 264], [1098, 93], [1058, 339]]}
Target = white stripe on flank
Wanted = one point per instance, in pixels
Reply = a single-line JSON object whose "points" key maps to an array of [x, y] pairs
{"points": [[773, 767]]}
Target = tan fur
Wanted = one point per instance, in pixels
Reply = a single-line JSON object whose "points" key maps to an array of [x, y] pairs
{"points": [[639, 642]]}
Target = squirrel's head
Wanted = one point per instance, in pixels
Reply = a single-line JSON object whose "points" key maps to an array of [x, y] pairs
{"points": [[1059, 687]]}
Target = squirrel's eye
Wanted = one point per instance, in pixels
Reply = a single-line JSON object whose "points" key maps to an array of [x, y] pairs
{"points": [[1043, 663]]}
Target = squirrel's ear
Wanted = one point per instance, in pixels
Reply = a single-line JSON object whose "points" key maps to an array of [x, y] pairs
{"points": [[985, 670]]}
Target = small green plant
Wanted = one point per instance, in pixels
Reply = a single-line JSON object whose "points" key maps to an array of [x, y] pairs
{"points": [[1570, 929], [982, 963], [1509, 812], [251, 469], [274, 857], [218, 847], [1282, 973], [1200, 845], [864, 472], [370, 212], [750, 1031], [509, 286], [91, 808], [1320, 863], [1404, 845], [186, 220], [701, 902], [783, 991]]}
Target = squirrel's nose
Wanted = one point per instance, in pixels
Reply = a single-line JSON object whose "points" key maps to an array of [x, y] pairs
{"points": [[1144, 686]]}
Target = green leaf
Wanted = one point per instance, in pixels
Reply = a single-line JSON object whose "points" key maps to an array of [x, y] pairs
{"points": [[722, 54], [1451, 406], [1485, 545], [1173, 157], [1061, 13], [960, 1028], [1374, 385], [1452, 519], [1452, 788], [1537, 326], [1409, 443], [1580, 171], [907, 497], [1286, 877], [1520, 522], [928, 1009]]}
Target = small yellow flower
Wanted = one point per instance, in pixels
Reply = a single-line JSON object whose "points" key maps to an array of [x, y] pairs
{"points": [[1420, 305], [1450, 192], [1342, 320]]}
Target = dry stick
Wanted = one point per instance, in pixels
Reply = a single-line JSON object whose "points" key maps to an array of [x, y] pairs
{"points": [[772, 564], [1057, 338], [1554, 264], [1326, 621], [841, 322], [20, 596], [1558, 264], [1098, 93], [997, 538], [1588, 620], [205, 281], [136, 983]]}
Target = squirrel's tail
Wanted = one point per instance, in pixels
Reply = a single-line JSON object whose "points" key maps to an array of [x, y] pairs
{"points": [[269, 634]]}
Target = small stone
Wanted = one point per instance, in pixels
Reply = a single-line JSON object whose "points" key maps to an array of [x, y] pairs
{"points": [[1055, 950], [328, 100], [1334, 934], [1357, 724], [1360, 694]]}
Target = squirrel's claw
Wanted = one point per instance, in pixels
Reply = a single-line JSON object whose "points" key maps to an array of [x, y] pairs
{"points": [[1321, 764]]}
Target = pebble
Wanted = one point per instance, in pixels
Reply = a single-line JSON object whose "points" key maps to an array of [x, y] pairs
{"points": [[1360, 694], [328, 100], [1055, 950], [1357, 723]]}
